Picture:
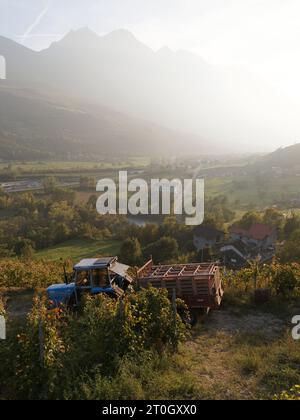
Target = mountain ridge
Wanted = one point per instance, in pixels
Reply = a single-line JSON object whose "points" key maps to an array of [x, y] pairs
{"points": [[177, 90], [35, 126]]}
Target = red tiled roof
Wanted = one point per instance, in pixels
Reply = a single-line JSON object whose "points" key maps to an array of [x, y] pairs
{"points": [[258, 231], [237, 230]]}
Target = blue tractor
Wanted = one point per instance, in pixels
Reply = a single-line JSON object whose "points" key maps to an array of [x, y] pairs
{"points": [[91, 276]]}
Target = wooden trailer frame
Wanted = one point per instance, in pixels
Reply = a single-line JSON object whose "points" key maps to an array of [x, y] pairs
{"points": [[199, 285]]}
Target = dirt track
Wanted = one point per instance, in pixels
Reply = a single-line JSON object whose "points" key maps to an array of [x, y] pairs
{"points": [[216, 343], [253, 322], [18, 303]]}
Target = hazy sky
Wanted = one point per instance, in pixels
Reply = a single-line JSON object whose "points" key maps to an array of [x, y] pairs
{"points": [[259, 35]]}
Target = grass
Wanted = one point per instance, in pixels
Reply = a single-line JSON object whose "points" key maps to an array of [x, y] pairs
{"points": [[62, 166], [250, 191], [244, 354], [79, 248]]}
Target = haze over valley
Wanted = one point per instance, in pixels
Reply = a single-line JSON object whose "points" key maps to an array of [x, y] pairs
{"points": [[116, 94]]}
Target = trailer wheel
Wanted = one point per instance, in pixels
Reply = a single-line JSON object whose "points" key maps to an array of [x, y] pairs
{"points": [[206, 311], [195, 316]]}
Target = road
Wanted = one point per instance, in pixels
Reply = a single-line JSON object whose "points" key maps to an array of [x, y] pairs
{"points": [[32, 185]]}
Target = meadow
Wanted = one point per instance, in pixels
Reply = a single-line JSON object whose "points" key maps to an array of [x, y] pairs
{"points": [[44, 167], [77, 249], [246, 192]]}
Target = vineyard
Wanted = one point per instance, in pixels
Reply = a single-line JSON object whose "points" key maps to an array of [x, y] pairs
{"points": [[137, 348], [95, 346]]}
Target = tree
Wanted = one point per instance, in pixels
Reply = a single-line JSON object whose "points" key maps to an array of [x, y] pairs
{"points": [[274, 218], [285, 278], [291, 225], [5, 252], [290, 252], [212, 222], [162, 251], [27, 252], [24, 248], [61, 212], [148, 234], [87, 183], [249, 219], [61, 232], [92, 201], [64, 194], [49, 184], [131, 252]]}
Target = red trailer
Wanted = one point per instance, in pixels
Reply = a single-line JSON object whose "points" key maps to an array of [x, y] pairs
{"points": [[199, 285]]}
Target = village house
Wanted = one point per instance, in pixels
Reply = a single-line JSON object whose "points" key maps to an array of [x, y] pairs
{"points": [[262, 236], [258, 242], [207, 237], [235, 255]]}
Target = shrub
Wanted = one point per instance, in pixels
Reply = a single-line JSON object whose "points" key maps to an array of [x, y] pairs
{"points": [[131, 252], [164, 250], [30, 274], [60, 352], [283, 279], [40, 352], [110, 330], [292, 395]]}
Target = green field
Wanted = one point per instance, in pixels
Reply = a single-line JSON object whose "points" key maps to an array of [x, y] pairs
{"points": [[77, 249], [255, 191], [61, 166]]}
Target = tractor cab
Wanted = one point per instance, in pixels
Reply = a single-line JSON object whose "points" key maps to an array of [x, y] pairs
{"points": [[92, 276]]}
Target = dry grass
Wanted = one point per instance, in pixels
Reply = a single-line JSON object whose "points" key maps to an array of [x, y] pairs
{"points": [[245, 357]]}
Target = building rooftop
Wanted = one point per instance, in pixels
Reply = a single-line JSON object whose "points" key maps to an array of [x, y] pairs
{"points": [[258, 231]]}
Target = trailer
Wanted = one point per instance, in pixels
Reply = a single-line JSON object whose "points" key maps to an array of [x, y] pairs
{"points": [[199, 285]]}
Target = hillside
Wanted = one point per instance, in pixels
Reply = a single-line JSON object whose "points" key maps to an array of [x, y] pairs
{"points": [[39, 126], [284, 158], [231, 110]]}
